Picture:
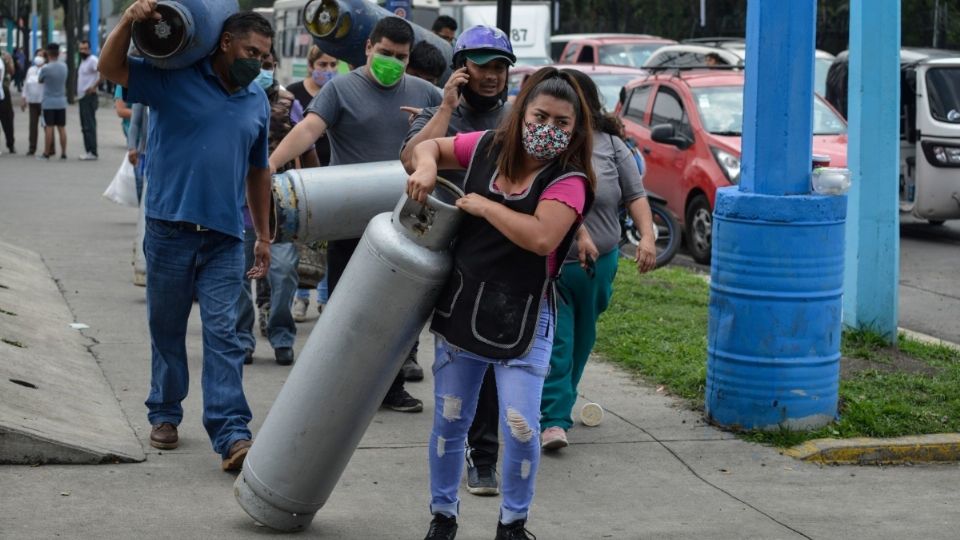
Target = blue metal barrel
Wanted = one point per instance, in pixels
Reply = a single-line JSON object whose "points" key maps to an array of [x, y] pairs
{"points": [[341, 28], [773, 343], [187, 31]]}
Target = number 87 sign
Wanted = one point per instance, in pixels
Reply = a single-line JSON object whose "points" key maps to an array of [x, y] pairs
{"points": [[520, 36]]}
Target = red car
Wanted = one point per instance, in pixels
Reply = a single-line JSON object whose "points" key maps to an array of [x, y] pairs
{"points": [[688, 126], [631, 51]]}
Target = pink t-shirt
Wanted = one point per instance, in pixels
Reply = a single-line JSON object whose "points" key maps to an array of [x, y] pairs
{"points": [[571, 191]]}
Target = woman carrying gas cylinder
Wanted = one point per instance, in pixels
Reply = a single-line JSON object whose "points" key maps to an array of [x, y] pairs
{"points": [[527, 186], [586, 282]]}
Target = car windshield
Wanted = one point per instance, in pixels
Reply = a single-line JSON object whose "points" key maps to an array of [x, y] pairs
{"points": [[820, 68], [627, 54], [609, 86], [943, 85], [721, 111]]}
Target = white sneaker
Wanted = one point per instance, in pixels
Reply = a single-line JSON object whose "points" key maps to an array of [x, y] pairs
{"points": [[553, 438], [300, 309], [88, 157]]}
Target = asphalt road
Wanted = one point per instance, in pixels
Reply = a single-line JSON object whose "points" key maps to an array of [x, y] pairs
{"points": [[929, 278]]}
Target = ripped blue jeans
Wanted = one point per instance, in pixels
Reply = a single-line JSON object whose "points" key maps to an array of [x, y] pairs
{"points": [[457, 378]]}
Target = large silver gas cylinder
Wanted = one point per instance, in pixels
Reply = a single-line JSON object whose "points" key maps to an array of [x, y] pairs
{"points": [[381, 303], [341, 28], [334, 203]]}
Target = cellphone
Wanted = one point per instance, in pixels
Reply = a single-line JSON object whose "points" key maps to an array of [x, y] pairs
{"points": [[591, 268]]}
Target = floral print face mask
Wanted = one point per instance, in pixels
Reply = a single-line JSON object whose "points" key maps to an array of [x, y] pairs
{"points": [[544, 141]]}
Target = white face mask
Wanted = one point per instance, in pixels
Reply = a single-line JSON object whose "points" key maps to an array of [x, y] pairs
{"points": [[38, 61]]}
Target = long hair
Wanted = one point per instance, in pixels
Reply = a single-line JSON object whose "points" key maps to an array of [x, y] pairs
{"points": [[606, 123], [551, 82]]}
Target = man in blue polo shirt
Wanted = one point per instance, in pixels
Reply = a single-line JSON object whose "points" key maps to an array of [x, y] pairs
{"points": [[208, 138]]}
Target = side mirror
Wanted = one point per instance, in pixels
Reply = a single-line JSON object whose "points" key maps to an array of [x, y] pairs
{"points": [[667, 134]]}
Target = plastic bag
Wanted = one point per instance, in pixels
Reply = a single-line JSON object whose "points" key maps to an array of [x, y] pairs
{"points": [[123, 189]]}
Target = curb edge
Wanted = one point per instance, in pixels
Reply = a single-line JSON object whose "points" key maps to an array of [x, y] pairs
{"points": [[936, 448]]}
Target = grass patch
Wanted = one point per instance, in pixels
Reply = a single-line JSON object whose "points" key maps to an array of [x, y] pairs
{"points": [[656, 326]]}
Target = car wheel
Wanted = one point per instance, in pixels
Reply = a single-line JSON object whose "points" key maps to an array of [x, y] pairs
{"points": [[699, 229]]}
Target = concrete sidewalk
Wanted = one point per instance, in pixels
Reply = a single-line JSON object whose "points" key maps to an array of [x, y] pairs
{"points": [[650, 470]]}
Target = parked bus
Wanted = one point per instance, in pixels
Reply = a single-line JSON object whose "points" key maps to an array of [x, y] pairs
{"points": [[292, 41]]}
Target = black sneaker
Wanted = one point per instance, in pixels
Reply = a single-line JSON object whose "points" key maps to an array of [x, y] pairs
{"points": [[411, 369], [284, 355], [514, 531], [442, 528], [403, 402], [248, 357], [482, 480]]}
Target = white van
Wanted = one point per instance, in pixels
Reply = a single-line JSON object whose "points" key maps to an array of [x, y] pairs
{"points": [[529, 26], [929, 130]]}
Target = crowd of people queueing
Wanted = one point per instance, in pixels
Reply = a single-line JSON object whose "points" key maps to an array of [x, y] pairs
{"points": [[543, 177]]}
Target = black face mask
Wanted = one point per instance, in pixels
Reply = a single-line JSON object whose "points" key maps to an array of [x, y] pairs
{"points": [[243, 71], [477, 101]]}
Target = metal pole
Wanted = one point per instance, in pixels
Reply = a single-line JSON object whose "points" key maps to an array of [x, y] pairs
{"points": [[503, 15], [936, 24], [94, 35], [33, 27], [49, 11], [556, 15], [870, 297]]}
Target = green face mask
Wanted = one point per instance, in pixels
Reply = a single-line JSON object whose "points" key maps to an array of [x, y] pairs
{"points": [[387, 70], [244, 70]]}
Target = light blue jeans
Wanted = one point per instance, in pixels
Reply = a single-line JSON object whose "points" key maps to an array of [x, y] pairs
{"points": [[180, 262], [457, 378], [322, 294], [281, 328]]}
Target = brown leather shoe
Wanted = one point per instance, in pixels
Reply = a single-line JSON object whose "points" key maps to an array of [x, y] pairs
{"points": [[238, 452], [164, 436]]}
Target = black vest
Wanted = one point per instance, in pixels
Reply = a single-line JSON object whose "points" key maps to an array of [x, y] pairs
{"points": [[491, 304]]}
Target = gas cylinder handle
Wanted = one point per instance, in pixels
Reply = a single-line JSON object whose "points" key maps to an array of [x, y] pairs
{"points": [[422, 221]]}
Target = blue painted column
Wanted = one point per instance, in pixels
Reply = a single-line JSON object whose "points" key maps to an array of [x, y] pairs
{"points": [[773, 341], [34, 30], [873, 242], [94, 36]]}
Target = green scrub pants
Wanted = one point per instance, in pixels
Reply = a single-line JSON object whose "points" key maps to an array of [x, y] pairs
{"points": [[581, 301]]}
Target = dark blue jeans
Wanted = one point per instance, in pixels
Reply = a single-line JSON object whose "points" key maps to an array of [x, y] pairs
{"points": [[282, 276], [181, 262]]}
